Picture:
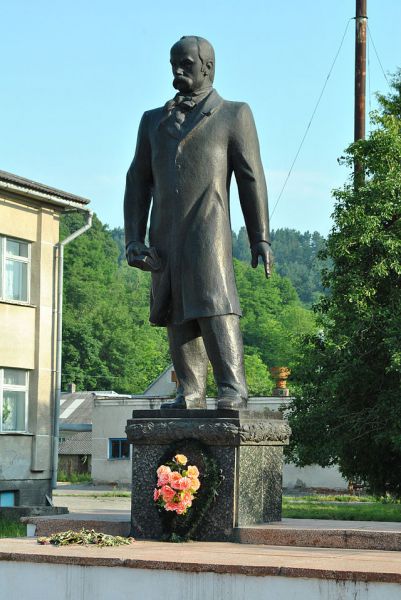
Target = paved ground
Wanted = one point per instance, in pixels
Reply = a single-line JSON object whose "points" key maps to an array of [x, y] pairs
{"points": [[80, 499]]}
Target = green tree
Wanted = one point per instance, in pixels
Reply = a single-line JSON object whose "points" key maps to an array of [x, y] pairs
{"points": [[349, 410], [241, 248], [295, 255], [119, 237], [273, 317], [298, 256]]}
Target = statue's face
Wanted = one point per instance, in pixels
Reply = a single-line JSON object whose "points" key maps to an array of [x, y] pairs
{"points": [[188, 71]]}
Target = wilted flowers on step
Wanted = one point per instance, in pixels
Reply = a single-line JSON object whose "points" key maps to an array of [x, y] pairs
{"points": [[176, 485]]}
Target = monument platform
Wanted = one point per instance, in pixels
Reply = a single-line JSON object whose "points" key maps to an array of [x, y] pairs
{"points": [[196, 570]]}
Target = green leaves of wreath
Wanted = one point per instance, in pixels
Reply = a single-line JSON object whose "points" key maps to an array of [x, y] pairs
{"points": [[181, 528]]}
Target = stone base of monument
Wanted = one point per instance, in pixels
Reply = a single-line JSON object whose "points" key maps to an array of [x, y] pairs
{"points": [[240, 458]]}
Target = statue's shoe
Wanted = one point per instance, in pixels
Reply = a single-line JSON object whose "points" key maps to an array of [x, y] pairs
{"points": [[180, 403], [231, 402]]}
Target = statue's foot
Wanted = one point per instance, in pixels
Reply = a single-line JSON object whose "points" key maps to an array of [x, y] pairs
{"points": [[231, 402], [180, 403]]}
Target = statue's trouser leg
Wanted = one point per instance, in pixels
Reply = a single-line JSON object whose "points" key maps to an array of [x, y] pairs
{"points": [[223, 341], [190, 362]]}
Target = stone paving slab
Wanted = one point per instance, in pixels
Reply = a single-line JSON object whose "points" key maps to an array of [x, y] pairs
{"points": [[324, 534], [333, 524], [252, 560]]}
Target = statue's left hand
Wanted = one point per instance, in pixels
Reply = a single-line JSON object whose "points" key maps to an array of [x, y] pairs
{"points": [[261, 249]]}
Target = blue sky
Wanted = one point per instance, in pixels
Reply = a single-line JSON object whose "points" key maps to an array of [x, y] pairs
{"points": [[76, 77]]}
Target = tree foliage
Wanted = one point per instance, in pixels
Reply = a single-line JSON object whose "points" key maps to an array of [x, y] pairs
{"points": [[349, 409], [296, 255]]}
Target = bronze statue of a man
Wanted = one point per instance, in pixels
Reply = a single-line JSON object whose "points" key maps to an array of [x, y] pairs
{"points": [[186, 154]]}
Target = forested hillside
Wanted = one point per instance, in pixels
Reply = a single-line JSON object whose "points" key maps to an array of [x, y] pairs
{"points": [[295, 255], [108, 342]]}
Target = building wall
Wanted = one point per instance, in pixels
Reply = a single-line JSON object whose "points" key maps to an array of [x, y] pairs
{"points": [[109, 421], [110, 416], [26, 342]]}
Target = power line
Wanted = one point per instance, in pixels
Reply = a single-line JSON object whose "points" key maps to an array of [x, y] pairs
{"points": [[311, 119], [377, 56]]}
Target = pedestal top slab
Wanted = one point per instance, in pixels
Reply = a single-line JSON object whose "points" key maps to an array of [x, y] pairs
{"points": [[212, 427], [169, 413]]}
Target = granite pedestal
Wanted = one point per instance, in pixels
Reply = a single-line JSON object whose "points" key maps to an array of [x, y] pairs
{"points": [[246, 446]]}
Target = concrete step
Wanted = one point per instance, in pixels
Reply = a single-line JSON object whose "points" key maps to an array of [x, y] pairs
{"points": [[45, 526], [366, 535]]}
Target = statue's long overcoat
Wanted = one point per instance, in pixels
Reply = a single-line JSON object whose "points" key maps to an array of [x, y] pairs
{"points": [[187, 174]]}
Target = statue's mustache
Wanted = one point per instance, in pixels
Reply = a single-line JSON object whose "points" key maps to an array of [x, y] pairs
{"points": [[182, 80]]}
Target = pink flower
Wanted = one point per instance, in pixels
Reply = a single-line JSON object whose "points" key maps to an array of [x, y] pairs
{"points": [[186, 498], [185, 483], [167, 493], [156, 494], [181, 508], [174, 478], [171, 505], [163, 474], [192, 471]]}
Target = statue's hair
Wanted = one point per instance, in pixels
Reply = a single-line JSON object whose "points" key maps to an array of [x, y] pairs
{"points": [[205, 51]]}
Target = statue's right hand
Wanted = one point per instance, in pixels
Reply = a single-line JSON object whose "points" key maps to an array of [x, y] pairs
{"points": [[134, 249]]}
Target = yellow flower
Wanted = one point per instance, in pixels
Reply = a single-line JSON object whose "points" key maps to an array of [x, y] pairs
{"points": [[192, 471], [195, 484], [181, 459]]}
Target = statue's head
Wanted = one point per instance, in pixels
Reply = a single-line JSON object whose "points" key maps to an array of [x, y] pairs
{"points": [[192, 61]]}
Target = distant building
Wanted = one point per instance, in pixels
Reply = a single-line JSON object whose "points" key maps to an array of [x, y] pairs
{"points": [[164, 385], [75, 431], [29, 233]]}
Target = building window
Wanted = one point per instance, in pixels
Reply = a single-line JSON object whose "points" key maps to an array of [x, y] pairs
{"points": [[7, 499], [13, 400], [15, 261], [119, 448]]}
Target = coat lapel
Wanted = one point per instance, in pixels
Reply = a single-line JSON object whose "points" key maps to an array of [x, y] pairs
{"points": [[206, 110]]}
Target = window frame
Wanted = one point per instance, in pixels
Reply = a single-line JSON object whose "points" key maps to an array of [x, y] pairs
{"points": [[14, 388], [21, 259], [120, 440]]}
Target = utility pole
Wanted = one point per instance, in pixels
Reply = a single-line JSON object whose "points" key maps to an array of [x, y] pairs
{"points": [[360, 76]]}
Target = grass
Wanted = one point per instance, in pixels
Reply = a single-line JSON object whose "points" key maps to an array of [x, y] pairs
{"points": [[9, 528], [74, 477], [332, 498], [371, 510]]}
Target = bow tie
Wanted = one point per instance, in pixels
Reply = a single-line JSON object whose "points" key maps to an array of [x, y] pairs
{"points": [[184, 103]]}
